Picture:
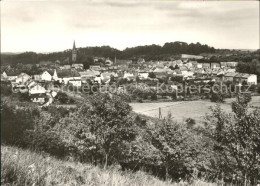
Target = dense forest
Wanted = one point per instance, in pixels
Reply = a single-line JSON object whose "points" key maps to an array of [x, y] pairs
{"points": [[149, 52]]}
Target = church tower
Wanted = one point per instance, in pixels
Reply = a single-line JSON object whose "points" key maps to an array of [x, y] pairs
{"points": [[74, 53]]}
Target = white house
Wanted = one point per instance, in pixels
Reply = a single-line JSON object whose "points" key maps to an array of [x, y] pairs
{"points": [[38, 98], [128, 75], [143, 75], [77, 66], [11, 76], [46, 76], [99, 78], [199, 65], [248, 78], [22, 78], [252, 79], [37, 89], [75, 82], [65, 75]]}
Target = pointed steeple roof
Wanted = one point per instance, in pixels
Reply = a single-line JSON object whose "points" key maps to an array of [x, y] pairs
{"points": [[74, 46]]}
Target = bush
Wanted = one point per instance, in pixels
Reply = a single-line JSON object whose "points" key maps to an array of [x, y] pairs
{"points": [[47, 141], [62, 97], [217, 97], [190, 122], [15, 121], [153, 97], [6, 89]]}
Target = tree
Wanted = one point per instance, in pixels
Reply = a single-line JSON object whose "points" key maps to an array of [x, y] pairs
{"points": [[177, 146], [86, 61], [236, 139], [151, 75], [62, 97], [106, 118]]}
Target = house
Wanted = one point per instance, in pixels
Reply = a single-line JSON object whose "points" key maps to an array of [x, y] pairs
{"points": [[4, 76], [205, 65], [95, 67], [36, 89], [128, 75], [187, 56], [22, 78], [65, 67], [107, 76], [77, 66], [122, 62], [232, 64], [248, 78], [30, 84], [37, 77], [140, 61], [178, 62], [223, 64], [161, 75], [65, 75], [143, 75], [183, 69], [46, 76], [199, 65], [38, 98], [45, 63], [75, 82], [99, 59], [11, 75], [215, 65], [99, 78], [88, 74], [229, 76]]}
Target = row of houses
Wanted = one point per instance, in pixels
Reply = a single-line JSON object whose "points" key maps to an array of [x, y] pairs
{"points": [[101, 74]]}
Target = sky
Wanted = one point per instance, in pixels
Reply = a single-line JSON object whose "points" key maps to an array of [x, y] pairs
{"points": [[49, 26]]}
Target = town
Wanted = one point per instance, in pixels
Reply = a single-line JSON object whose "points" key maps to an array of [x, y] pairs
{"points": [[107, 71]]}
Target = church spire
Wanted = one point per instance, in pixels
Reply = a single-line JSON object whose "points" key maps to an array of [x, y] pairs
{"points": [[74, 53], [74, 46]]}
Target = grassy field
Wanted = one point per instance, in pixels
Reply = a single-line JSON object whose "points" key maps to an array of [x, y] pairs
{"points": [[23, 167], [185, 109]]}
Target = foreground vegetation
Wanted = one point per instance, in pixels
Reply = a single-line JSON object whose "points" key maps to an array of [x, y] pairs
{"points": [[23, 167], [102, 131]]}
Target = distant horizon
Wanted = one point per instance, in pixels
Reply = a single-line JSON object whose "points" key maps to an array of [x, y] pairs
{"points": [[47, 52]]}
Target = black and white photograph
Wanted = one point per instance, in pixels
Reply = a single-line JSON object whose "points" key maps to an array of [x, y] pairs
{"points": [[130, 92]]}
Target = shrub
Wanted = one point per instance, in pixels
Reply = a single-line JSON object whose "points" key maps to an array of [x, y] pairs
{"points": [[48, 141], [15, 121], [62, 97], [190, 122], [153, 97], [217, 97]]}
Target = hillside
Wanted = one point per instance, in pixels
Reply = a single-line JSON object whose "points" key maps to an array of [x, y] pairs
{"points": [[149, 52], [23, 167]]}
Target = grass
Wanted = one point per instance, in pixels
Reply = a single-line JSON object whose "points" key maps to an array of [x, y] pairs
{"points": [[23, 167], [185, 109]]}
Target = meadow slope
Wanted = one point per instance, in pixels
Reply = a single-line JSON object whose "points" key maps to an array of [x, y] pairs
{"points": [[23, 167]]}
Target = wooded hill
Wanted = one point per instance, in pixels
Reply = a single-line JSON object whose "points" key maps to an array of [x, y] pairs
{"points": [[149, 52]]}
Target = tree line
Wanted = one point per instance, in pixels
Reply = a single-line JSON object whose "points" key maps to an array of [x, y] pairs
{"points": [[149, 52]]}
